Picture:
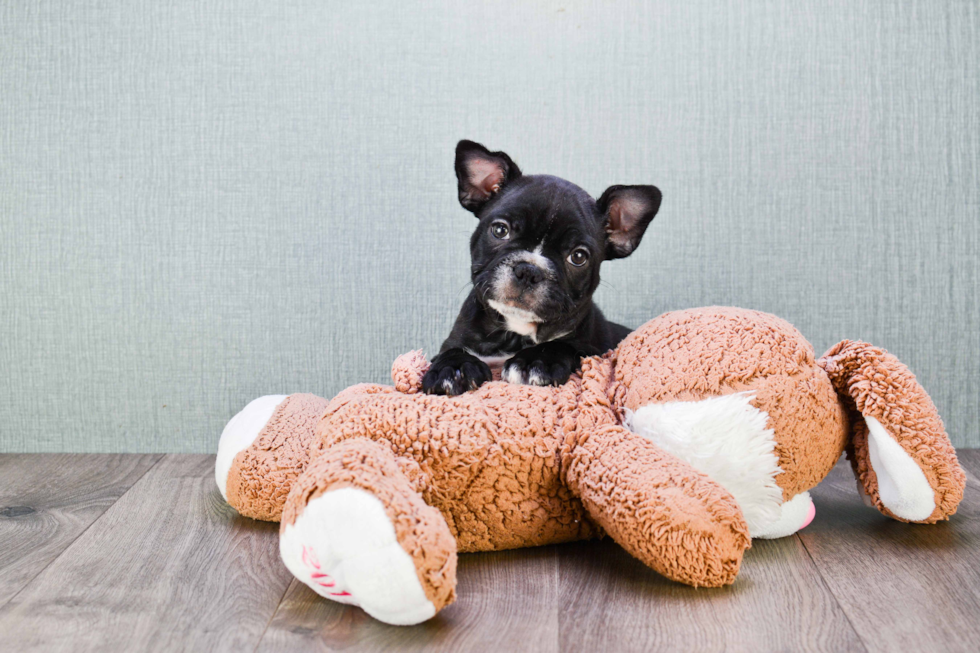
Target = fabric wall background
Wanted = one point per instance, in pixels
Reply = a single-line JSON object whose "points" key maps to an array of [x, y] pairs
{"points": [[205, 202]]}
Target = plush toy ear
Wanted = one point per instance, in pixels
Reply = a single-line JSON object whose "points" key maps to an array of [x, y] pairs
{"points": [[481, 174], [901, 455], [627, 210]]}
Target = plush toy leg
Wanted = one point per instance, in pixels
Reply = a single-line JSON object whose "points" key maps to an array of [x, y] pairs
{"points": [[356, 531], [899, 450], [263, 449], [672, 517]]}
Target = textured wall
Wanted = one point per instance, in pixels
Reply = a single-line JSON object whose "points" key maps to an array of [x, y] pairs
{"points": [[201, 203]]}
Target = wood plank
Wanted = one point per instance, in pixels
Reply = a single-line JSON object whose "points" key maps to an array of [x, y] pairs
{"points": [[903, 586], [970, 461], [170, 566], [48, 500], [610, 601], [507, 601]]}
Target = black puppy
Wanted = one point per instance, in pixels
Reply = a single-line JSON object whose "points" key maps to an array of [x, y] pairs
{"points": [[535, 264]]}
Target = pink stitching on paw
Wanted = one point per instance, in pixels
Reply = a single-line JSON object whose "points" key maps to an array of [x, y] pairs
{"points": [[317, 576], [310, 560]]}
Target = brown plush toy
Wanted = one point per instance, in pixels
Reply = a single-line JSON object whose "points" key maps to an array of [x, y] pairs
{"points": [[704, 428]]}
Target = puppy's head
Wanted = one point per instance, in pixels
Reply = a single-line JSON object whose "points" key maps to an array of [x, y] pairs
{"points": [[537, 250]]}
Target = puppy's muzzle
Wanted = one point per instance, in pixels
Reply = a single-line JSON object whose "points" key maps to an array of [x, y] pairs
{"points": [[527, 275]]}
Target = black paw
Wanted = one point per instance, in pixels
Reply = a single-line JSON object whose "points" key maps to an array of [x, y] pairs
{"points": [[550, 363], [454, 372]]}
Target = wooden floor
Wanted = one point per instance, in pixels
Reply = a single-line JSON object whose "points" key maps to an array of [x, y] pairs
{"points": [[139, 552]]}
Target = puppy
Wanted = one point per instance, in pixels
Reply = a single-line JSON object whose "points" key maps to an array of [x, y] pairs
{"points": [[536, 254]]}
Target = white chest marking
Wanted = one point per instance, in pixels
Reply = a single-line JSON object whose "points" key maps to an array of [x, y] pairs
{"points": [[518, 320], [492, 361]]}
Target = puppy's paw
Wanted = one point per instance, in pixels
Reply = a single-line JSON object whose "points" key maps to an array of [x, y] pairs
{"points": [[454, 372], [546, 364]]}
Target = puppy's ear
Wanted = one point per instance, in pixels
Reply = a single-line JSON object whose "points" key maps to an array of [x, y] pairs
{"points": [[481, 174], [627, 210]]}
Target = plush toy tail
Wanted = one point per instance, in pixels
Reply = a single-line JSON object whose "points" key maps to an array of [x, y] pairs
{"points": [[903, 460]]}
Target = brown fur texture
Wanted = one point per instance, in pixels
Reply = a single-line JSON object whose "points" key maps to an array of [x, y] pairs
{"points": [[261, 475], [486, 459], [511, 466], [872, 382], [660, 509]]}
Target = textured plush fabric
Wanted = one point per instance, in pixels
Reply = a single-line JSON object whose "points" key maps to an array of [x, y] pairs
{"points": [[486, 459], [505, 465], [660, 509], [261, 475], [203, 202], [509, 466], [874, 383], [407, 371]]}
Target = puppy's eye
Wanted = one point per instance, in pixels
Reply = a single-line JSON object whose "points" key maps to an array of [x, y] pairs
{"points": [[579, 257], [500, 230]]}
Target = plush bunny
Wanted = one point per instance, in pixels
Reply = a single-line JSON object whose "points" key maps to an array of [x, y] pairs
{"points": [[703, 429]]}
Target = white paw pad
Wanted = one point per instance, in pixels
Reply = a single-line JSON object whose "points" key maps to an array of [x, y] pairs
{"points": [[344, 547]]}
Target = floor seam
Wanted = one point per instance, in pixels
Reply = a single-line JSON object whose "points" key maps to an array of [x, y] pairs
{"points": [[258, 642], [830, 590], [83, 532]]}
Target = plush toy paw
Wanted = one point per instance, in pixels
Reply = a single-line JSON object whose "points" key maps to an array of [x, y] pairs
{"points": [[240, 433], [550, 363], [795, 515], [454, 372], [408, 370], [344, 547]]}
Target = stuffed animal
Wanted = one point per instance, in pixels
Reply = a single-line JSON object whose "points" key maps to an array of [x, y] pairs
{"points": [[703, 429]]}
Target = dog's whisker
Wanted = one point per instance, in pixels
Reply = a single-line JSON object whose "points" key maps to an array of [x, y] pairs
{"points": [[608, 285], [462, 288]]}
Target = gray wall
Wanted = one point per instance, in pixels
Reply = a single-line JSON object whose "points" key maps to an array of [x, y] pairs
{"points": [[204, 203]]}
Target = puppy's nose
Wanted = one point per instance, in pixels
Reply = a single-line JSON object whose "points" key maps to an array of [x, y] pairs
{"points": [[528, 274]]}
